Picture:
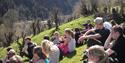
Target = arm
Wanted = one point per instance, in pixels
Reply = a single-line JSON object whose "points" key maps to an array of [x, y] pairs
{"points": [[85, 36], [88, 32], [107, 42], [109, 51], [95, 36]]}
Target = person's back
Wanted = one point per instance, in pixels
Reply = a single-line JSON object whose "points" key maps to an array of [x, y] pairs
{"points": [[71, 45], [54, 54], [107, 25]]}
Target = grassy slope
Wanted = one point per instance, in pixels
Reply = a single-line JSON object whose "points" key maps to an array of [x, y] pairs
{"points": [[72, 58]]}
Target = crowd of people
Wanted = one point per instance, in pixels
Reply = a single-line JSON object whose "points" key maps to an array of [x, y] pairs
{"points": [[105, 43]]}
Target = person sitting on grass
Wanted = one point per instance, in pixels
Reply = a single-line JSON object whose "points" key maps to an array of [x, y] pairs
{"points": [[28, 48], [39, 56], [77, 35], [87, 26], [51, 50], [96, 36], [70, 37], [10, 53], [119, 43], [56, 38]]}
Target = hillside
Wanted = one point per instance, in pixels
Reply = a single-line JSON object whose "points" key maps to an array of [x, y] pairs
{"points": [[33, 9], [74, 58]]}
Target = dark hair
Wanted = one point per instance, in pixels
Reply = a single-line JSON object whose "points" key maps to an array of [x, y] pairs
{"points": [[46, 37], [38, 50], [117, 29], [113, 22], [27, 38], [77, 29], [8, 49]]}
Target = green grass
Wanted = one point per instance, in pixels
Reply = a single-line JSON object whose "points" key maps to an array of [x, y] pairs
{"points": [[72, 58]]}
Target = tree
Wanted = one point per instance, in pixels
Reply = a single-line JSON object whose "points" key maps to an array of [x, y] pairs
{"points": [[80, 9], [122, 7], [94, 5], [9, 19], [54, 17]]}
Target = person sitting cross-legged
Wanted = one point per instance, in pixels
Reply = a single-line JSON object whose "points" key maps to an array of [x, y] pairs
{"points": [[97, 35]]}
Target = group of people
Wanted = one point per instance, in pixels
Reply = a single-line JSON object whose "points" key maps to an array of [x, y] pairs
{"points": [[50, 50], [103, 40]]}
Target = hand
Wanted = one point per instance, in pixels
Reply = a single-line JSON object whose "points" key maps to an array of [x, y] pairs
{"points": [[109, 51], [81, 39]]}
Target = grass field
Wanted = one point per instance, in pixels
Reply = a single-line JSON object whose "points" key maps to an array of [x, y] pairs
{"points": [[71, 58]]}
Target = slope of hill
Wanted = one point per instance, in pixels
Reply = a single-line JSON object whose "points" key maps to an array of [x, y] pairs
{"points": [[72, 58], [30, 9]]}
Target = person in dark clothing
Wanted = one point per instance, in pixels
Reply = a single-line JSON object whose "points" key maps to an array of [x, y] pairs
{"points": [[119, 44], [28, 48], [77, 35], [96, 36], [87, 26]]}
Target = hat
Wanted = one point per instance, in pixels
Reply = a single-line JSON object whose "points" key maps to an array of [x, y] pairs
{"points": [[98, 20]]}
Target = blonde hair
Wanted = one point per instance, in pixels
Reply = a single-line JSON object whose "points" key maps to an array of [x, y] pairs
{"points": [[46, 44], [98, 51], [56, 32], [70, 32]]}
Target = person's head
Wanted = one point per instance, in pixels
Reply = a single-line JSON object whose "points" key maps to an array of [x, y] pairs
{"points": [[15, 59], [69, 32], [97, 54], [88, 21], [98, 22], [8, 49], [113, 22], [77, 30], [46, 37], [37, 53], [116, 32], [46, 45], [123, 25], [11, 53], [56, 34], [27, 40]]}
